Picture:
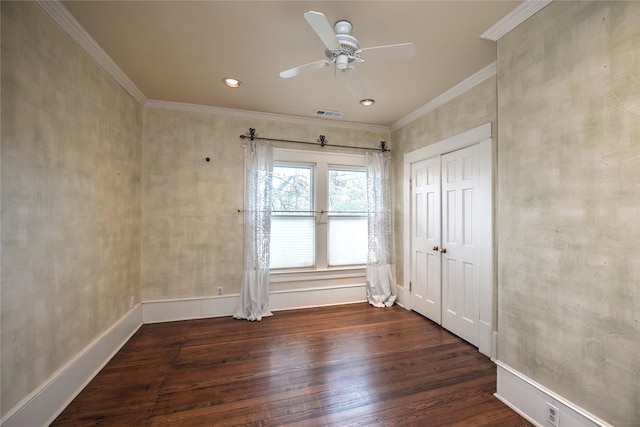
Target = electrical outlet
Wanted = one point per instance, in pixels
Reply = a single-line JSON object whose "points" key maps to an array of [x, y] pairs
{"points": [[132, 302], [553, 415], [220, 290]]}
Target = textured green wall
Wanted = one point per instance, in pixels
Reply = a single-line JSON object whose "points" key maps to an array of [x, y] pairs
{"points": [[569, 204], [71, 164], [192, 232]]}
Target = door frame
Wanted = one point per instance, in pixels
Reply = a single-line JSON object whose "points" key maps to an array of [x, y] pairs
{"points": [[482, 136]]}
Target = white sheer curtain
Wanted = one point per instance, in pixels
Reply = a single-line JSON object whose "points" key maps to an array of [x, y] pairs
{"points": [[381, 291], [254, 290]]}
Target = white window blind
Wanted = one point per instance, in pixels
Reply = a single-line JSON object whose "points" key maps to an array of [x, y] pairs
{"points": [[292, 242], [347, 241]]}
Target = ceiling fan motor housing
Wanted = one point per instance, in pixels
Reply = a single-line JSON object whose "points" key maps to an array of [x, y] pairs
{"points": [[348, 45], [343, 27]]}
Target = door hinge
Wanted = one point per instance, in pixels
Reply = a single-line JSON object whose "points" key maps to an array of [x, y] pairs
{"points": [[410, 285], [410, 185]]}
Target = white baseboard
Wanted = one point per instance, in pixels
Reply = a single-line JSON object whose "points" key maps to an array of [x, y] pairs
{"points": [[226, 305], [530, 399], [45, 403], [189, 308]]}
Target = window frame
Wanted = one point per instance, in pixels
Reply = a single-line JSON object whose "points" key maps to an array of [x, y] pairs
{"points": [[322, 161]]}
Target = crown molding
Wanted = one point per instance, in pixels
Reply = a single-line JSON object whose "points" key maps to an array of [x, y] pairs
{"points": [[517, 16], [196, 108], [63, 17], [459, 89]]}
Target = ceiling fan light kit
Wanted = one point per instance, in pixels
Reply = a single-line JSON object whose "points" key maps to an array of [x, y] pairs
{"points": [[342, 49], [342, 62]]}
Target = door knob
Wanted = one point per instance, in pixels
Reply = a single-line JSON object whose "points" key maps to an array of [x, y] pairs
{"points": [[435, 248], [443, 250]]}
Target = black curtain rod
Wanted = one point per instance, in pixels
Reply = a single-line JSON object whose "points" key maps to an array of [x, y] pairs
{"points": [[322, 141], [321, 212]]}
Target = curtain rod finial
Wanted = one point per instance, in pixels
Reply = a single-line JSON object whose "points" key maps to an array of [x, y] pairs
{"points": [[251, 134]]}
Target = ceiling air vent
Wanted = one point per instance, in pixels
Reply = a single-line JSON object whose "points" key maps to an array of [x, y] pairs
{"points": [[329, 113]]}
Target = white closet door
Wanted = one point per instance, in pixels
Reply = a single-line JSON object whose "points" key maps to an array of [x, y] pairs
{"points": [[448, 204], [460, 313], [425, 238]]}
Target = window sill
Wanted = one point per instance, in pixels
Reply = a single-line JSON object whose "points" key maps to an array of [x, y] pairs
{"points": [[326, 274]]}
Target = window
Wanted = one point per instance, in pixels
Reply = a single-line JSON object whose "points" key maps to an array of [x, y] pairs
{"points": [[347, 216], [292, 218], [319, 218]]}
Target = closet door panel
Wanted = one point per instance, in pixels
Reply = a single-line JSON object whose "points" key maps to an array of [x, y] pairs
{"points": [[425, 236], [460, 278]]}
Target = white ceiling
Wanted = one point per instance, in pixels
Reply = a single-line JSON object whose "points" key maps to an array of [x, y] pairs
{"points": [[180, 51]]}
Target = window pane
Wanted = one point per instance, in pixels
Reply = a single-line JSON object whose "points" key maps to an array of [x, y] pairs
{"points": [[292, 242], [348, 240], [292, 190], [347, 191]]}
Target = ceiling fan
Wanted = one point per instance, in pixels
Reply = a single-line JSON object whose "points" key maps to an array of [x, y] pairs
{"points": [[343, 49]]}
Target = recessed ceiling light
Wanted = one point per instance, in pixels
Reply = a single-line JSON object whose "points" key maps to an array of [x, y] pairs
{"points": [[367, 102], [232, 82]]}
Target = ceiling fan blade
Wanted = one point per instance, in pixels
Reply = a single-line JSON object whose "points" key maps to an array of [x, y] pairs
{"points": [[354, 83], [292, 72], [391, 52], [323, 29]]}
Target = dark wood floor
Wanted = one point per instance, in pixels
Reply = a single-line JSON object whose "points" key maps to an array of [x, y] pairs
{"points": [[350, 365]]}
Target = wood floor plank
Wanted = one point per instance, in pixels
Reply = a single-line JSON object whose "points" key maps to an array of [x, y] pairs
{"points": [[339, 365]]}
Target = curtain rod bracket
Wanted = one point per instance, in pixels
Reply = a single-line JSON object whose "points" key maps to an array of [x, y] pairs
{"points": [[252, 134], [322, 140], [383, 146]]}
